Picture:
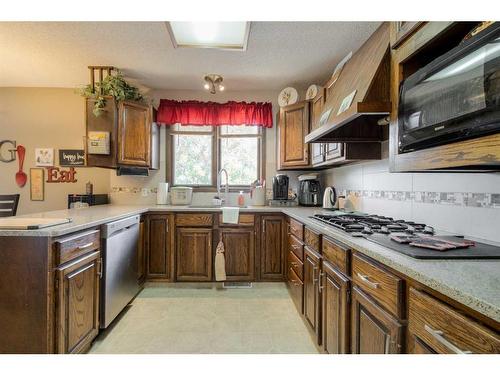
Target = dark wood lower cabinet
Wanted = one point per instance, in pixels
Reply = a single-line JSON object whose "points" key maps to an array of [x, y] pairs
{"points": [[373, 331], [312, 261], [194, 254], [160, 245], [272, 248], [77, 303], [335, 295], [239, 252], [141, 252]]}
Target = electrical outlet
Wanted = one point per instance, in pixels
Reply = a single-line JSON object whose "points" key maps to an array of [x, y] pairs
{"points": [[144, 192]]}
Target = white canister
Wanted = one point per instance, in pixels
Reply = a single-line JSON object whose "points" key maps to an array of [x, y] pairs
{"points": [[161, 193], [259, 196]]}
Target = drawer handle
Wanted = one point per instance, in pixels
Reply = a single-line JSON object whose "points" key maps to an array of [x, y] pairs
{"points": [[365, 279], [439, 336], [294, 264], [87, 245]]}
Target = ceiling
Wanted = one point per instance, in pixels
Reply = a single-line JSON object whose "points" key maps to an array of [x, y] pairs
{"points": [[279, 54]]}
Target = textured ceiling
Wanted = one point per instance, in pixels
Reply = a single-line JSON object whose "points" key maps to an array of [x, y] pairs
{"points": [[279, 54]]}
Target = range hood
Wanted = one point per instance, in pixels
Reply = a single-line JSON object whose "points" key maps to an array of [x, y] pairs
{"points": [[360, 97]]}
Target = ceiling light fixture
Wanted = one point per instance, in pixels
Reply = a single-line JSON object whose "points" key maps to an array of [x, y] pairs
{"points": [[213, 82], [221, 35]]}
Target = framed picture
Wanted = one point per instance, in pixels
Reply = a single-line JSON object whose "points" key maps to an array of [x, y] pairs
{"points": [[71, 158], [37, 184], [44, 157]]}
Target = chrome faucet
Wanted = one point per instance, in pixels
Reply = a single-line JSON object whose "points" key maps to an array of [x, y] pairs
{"points": [[226, 188]]}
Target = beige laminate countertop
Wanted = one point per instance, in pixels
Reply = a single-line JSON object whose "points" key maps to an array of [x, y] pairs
{"points": [[474, 283]]}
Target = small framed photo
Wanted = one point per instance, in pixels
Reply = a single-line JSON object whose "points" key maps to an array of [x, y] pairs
{"points": [[37, 184], [44, 157]]}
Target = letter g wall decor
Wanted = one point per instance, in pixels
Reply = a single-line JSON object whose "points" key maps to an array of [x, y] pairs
{"points": [[8, 150]]}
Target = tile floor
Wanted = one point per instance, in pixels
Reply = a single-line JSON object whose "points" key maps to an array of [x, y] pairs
{"points": [[202, 318]]}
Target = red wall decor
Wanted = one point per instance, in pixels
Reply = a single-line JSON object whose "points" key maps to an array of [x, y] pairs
{"points": [[55, 174]]}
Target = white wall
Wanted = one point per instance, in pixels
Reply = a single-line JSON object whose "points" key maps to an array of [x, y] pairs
{"points": [[135, 186], [446, 212]]}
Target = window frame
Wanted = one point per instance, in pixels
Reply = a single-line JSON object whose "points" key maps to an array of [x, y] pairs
{"points": [[217, 137]]}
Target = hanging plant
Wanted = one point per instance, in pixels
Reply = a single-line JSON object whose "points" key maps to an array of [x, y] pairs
{"points": [[113, 85]]}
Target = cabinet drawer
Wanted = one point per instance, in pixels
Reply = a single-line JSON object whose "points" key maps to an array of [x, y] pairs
{"points": [[384, 287], [337, 254], [73, 246], [297, 229], [295, 264], [243, 220], [312, 239], [194, 220], [296, 246], [296, 288], [446, 330]]}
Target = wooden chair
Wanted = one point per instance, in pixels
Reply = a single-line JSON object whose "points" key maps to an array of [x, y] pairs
{"points": [[8, 205]]}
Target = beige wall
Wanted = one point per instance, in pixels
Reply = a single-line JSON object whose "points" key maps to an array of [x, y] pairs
{"points": [[151, 182], [45, 117]]}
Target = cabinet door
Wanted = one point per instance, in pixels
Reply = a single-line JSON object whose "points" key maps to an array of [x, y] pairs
{"points": [[134, 134], [194, 254], [77, 304], [272, 248], [311, 289], [293, 127], [159, 246], [373, 331], [239, 252], [316, 109], [141, 252], [334, 151], [335, 303]]}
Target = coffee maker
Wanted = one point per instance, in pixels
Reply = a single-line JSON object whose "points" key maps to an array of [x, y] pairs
{"points": [[280, 187], [309, 190]]}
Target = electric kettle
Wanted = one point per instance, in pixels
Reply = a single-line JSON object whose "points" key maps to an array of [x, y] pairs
{"points": [[330, 200]]}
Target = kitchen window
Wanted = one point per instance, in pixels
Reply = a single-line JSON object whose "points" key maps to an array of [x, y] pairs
{"points": [[197, 153]]}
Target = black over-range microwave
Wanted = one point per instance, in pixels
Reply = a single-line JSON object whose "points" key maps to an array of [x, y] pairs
{"points": [[455, 97]]}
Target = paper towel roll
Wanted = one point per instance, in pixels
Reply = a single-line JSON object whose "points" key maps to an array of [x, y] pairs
{"points": [[161, 194]]}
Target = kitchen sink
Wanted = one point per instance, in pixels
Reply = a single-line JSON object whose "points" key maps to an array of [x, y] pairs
{"points": [[212, 206]]}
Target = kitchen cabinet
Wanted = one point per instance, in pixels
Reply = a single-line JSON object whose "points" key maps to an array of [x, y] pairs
{"points": [[239, 252], [159, 247], [402, 30], [296, 288], [335, 318], [435, 327], [293, 126], [318, 153], [134, 134], [77, 303], [272, 248], [141, 251], [193, 254], [373, 330], [312, 303]]}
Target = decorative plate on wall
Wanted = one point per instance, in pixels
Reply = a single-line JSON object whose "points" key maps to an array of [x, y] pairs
{"points": [[288, 96], [311, 92]]}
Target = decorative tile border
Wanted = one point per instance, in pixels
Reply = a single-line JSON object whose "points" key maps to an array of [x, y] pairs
{"points": [[133, 190], [482, 200]]}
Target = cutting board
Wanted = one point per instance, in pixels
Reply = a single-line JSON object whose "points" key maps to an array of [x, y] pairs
{"points": [[26, 223]]}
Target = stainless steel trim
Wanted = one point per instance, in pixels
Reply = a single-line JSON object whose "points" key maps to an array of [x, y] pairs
{"points": [[82, 247], [365, 279], [439, 336]]}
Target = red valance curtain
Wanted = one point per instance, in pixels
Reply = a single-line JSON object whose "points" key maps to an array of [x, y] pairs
{"points": [[193, 112]]}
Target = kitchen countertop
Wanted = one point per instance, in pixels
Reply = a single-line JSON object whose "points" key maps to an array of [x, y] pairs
{"points": [[474, 283]]}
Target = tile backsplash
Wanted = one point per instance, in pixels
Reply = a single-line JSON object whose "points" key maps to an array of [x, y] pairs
{"points": [[461, 203]]}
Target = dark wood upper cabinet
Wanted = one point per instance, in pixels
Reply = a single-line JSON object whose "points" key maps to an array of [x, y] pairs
{"points": [[373, 330], [272, 248], [312, 303], [159, 233], [134, 137], [134, 134], [335, 318], [193, 254], [239, 253], [77, 294], [293, 126]]}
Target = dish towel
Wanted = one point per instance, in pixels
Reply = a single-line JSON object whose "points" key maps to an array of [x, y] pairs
{"points": [[220, 263], [230, 215]]}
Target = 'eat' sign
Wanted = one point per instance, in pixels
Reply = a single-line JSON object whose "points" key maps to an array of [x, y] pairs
{"points": [[54, 174]]}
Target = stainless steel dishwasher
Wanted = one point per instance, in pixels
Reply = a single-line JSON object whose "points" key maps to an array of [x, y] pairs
{"points": [[119, 281]]}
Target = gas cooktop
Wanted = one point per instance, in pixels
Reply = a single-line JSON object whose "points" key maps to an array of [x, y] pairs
{"points": [[416, 240]]}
